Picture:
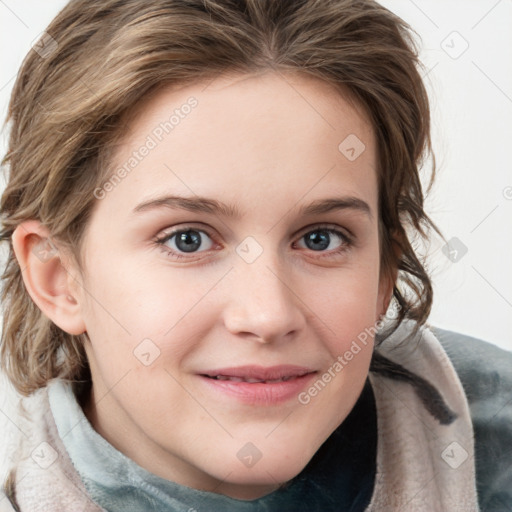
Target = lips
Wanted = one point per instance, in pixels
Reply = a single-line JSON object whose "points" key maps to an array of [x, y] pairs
{"points": [[257, 385], [258, 374]]}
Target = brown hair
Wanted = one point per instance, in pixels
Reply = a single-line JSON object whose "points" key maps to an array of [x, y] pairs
{"points": [[102, 57]]}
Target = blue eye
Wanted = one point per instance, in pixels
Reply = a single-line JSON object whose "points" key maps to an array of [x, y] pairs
{"points": [[183, 240], [190, 240], [322, 239]]}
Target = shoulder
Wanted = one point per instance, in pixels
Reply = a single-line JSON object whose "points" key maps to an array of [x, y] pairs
{"points": [[5, 504], [10, 436], [17, 413], [474, 360], [485, 372], [9, 425]]}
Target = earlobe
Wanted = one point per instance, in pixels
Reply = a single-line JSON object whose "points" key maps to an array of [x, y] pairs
{"points": [[46, 276], [389, 275], [386, 286]]}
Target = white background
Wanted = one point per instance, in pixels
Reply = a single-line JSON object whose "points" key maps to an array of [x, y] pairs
{"points": [[471, 98]]}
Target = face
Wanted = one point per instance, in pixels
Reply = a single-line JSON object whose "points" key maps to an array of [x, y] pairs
{"points": [[222, 324]]}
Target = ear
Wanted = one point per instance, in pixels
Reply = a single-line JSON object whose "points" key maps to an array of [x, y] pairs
{"points": [[47, 276], [386, 284], [388, 277]]}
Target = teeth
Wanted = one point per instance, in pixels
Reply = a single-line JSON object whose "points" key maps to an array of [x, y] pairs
{"points": [[250, 380]]}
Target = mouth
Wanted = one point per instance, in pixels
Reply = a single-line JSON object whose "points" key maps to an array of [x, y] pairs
{"points": [[258, 385], [250, 380], [255, 374]]}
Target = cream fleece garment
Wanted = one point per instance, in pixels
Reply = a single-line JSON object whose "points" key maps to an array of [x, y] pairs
{"points": [[422, 465]]}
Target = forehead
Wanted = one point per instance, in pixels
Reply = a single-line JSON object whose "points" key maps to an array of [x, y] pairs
{"points": [[258, 137]]}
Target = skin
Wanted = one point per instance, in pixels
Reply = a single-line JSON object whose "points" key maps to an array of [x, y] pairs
{"points": [[267, 144]]}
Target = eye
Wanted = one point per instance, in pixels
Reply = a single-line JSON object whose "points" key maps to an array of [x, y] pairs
{"points": [[184, 241], [326, 239]]}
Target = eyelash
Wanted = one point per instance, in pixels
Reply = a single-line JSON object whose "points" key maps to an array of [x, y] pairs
{"points": [[347, 241]]}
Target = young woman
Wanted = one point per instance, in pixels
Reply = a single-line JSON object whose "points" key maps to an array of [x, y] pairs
{"points": [[212, 301]]}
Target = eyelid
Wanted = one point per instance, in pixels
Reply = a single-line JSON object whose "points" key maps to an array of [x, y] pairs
{"points": [[166, 235], [326, 225], [179, 228]]}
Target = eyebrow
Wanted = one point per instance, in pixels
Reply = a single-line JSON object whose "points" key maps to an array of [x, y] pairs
{"points": [[212, 206]]}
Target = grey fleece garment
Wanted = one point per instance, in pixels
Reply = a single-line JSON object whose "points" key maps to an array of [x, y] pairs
{"points": [[406, 429], [485, 371]]}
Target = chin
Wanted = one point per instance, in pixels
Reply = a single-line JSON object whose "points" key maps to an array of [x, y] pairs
{"points": [[250, 484], [269, 471]]}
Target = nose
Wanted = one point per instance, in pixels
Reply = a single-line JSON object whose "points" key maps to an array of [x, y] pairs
{"points": [[263, 304]]}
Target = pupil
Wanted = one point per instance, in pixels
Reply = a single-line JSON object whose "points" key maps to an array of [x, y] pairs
{"points": [[188, 241], [318, 237]]}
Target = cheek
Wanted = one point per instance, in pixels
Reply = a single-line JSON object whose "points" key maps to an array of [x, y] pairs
{"points": [[132, 298], [135, 314], [347, 305]]}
